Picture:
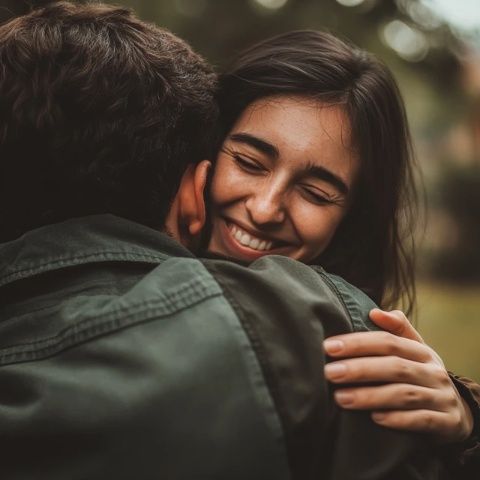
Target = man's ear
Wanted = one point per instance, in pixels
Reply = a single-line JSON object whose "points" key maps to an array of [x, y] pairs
{"points": [[192, 209]]}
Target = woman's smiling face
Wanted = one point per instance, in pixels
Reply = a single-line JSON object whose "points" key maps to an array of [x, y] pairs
{"points": [[283, 180]]}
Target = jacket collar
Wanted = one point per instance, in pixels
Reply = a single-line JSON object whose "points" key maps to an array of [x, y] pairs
{"points": [[97, 238]]}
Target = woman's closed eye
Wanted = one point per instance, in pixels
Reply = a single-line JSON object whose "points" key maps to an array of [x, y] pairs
{"points": [[317, 196], [244, 162]]}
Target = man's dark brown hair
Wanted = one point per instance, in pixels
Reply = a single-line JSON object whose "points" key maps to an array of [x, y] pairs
{"points": [[99, 113]]}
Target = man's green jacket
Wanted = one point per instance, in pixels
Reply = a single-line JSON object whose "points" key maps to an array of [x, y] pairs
{"points": [[122, 356]]}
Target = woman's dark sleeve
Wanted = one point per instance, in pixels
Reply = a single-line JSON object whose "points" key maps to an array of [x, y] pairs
{"points": [[464, 458]]}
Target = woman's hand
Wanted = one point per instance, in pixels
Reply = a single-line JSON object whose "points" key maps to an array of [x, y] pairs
{"points": [[412, 389]]}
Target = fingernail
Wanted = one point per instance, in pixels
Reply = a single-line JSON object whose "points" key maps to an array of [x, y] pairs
{"points": [[333, 346], [378, 416], [334, 370], [344, 398]]}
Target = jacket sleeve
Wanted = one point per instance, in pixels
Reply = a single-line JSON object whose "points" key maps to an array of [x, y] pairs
{"points": [[287, 309], [464, 458]]}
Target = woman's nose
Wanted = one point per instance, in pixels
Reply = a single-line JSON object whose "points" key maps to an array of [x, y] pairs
{"points": [[266, 207]]}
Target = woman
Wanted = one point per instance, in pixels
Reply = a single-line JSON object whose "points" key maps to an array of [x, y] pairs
{"points": [[316, 165]]}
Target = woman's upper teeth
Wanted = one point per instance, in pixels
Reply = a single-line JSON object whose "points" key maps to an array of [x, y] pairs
{"points": [[249, 240]]}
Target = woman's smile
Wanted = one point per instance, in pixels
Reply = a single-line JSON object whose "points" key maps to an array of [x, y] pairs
{"points": [[282, 180], [243, 242], [249, 240]]}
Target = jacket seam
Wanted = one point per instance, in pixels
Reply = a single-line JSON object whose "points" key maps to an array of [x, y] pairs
{"points": [[79, 259], [337, 293], [105, 323]]}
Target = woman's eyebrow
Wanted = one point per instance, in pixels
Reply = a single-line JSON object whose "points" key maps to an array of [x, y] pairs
{"points": [[255, 142], [324, 174]]}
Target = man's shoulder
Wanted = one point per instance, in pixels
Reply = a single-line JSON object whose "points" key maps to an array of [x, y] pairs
{"points": [[270, 284], [287, 309], [357, 303], [281, 280], [138, 355]]}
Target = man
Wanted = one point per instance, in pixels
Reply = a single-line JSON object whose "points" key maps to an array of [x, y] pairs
{"points": [[121, 354]]}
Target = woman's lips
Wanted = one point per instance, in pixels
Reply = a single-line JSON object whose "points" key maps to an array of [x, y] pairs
{"points": [[248, 240], [245, 245]]}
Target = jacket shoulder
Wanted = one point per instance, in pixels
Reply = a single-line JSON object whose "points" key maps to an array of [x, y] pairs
{"points": [[287, 309], [356, 302], [281, 284]]}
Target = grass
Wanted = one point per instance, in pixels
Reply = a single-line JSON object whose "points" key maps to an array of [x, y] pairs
{"points": [[449, 321]]}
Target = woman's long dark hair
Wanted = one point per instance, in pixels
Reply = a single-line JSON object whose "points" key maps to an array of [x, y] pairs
{"points": [[373, 247]]}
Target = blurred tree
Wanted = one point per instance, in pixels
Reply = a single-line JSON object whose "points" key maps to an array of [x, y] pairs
{"points": [[458, 195], [219, 28]]}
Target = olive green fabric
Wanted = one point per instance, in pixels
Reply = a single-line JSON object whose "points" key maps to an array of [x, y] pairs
{"points": [[124, 357], [112, 367], [287, 331]]}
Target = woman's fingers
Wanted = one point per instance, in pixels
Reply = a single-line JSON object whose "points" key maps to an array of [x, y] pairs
{"points": [[392, 397], [413, 392], [386, 369], [360, 344], [443, 425], [395, 322], [440, 412]]}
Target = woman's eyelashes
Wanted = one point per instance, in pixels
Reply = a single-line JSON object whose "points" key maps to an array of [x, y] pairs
{"points": [[244, 162], [247, 164], [320, 197], [315, 196]]}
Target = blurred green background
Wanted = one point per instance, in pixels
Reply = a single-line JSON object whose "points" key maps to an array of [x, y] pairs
{"points": [[433, 48]]}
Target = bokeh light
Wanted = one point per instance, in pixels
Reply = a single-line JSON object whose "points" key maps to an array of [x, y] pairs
{"points": [[408, 42], [350, 3], [272, 4]]}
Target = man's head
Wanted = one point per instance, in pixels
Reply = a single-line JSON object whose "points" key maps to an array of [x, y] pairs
{"points": [[99, 113]]}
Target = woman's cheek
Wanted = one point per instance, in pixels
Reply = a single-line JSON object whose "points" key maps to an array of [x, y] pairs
{"points": [[316, 225], [227, 182], [221, 184], [237, 185]]}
